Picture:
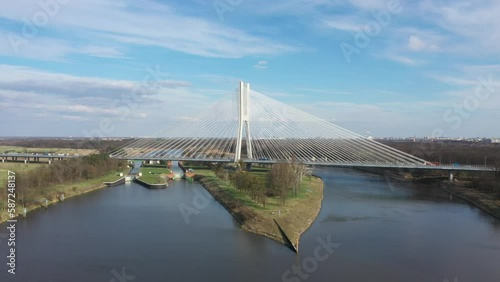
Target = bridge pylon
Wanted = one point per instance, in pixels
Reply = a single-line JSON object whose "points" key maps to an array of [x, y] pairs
{"points": [[243, 122]]}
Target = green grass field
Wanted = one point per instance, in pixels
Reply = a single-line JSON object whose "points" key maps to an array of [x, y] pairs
{"points": [[116, 175], [153, 175], [272, 203], [15, 167]]}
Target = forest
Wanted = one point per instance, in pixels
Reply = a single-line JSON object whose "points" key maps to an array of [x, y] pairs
{"points": [[450, 152]]}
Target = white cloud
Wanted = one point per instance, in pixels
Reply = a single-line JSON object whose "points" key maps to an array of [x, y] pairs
{"points": [[415, 43], [29, 80], [261, 65], [475, 26], [101, 51], [27, 92], [343, 23], [405, 60], [370, 4], [147, 23], [41, 48]]}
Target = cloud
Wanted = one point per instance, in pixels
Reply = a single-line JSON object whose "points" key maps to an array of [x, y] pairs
{"points": [[29, 80], [41, 48], [220, 79], [343, 24], [405, 60], [261, 65], [144, 23], [415, 43], [326, 91], [101, 51], [466, 22], [31, 93]]}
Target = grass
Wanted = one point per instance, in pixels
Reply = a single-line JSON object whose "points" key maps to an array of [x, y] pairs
{"points": [[294, 217], [115, 176], [153, 175], [15, 167]]}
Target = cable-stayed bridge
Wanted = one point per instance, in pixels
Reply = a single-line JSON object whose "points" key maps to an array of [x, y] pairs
{"points": [[253, 128]]}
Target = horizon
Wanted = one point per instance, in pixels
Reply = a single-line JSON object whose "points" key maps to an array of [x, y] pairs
{"points": [[133, 137]]}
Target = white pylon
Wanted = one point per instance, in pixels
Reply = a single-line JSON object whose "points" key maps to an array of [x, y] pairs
{"points": [[244, 122]]}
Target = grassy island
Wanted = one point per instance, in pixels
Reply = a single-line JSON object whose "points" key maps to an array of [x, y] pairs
{"points": [[154, 174], [255, 199]]}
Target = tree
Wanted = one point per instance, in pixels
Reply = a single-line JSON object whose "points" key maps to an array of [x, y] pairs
{"points": [[259, 190], [281, 179], [298, 171]]}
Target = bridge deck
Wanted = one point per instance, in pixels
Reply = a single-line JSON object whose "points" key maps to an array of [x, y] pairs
{"points": [[336, 164], [40, 156]]}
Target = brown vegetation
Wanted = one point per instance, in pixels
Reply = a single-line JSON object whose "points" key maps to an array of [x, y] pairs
{"points": [[39, 183], [449, 152], [83, 143], [259, 207]]}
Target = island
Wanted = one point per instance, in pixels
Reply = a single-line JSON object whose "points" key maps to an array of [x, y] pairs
{"points": [[279, 201]]}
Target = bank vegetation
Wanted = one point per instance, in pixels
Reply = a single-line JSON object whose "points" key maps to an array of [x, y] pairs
{"points": [[261, 199], [70, 177]]}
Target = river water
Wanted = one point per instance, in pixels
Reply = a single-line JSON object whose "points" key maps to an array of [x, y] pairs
{"points": [[367, 230]]}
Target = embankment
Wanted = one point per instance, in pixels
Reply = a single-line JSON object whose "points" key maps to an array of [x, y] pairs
{"points": [[68, 190], [461, 189], [151, 186], [487, 203], [283, 224]]}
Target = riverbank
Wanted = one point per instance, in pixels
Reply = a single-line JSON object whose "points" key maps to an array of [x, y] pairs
{"points": [[69, 190], [294, 218], [487, 203], [148, 185]]}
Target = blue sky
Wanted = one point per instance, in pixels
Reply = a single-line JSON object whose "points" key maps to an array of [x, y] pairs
{"points": [[393, 68]]}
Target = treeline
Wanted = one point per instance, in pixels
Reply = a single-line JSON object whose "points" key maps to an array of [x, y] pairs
{"points": [[39, 183], [254, 186], [282, 180], [449, 152], [461, 152], [83, 143]]}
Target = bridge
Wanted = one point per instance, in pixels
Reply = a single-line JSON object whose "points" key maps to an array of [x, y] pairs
{"points": [[251, 127], [34, 157]]}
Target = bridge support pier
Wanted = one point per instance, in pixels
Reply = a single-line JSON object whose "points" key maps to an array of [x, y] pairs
{"points": [[244, 122]]}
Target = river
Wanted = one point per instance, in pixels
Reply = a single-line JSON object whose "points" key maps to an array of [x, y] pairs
{"points": [[367, 230]]}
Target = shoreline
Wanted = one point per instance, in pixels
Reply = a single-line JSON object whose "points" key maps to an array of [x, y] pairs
{"points": [[281, 228], [484, 202], [149, 185], [67, 195]]}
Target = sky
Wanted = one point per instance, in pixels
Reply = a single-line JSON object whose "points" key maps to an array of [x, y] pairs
{"points": [[385, 68]]}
